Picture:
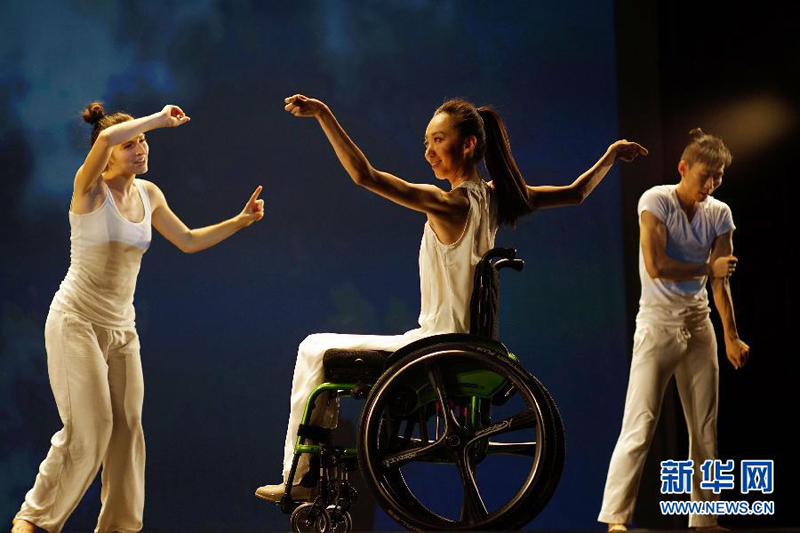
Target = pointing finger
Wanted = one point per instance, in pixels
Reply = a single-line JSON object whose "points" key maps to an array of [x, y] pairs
{"points": [[255, 194]]}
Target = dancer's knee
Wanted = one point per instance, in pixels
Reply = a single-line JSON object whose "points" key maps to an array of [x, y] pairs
{"points": [[637, 435], [310, 343], [88, 439]]}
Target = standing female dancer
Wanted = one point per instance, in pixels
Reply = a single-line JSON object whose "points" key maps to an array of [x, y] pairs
{"points": [[461, 227], [90, 335]]}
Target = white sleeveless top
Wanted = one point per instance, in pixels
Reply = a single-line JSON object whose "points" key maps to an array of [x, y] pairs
{"points": [[105, 256], [446, 274], [446, 271]]}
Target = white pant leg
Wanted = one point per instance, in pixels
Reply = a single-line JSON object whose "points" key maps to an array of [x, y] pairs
{"points": [[309, 373], [657, 351], [77, 369], [697, 378], [122, 492]]}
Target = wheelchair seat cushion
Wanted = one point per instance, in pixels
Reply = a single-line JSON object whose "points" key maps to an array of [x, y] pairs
{"points": [[352, 366]]}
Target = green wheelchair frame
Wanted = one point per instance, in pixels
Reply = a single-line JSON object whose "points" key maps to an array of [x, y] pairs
{"points": [[450, 382]]}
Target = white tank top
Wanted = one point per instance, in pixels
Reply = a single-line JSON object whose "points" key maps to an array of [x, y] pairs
{"points": [[446, 271], [105, 255]]}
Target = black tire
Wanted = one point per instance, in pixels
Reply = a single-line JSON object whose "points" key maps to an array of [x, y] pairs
{"points": [[557, 465], [340, 521], [383, 453], [302, 523]]}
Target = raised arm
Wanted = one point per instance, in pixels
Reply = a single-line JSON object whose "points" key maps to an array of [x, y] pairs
{"points": [[738, 351], [419, 197], [88, 175], [547, 196], [653, 240], [194, 240]]}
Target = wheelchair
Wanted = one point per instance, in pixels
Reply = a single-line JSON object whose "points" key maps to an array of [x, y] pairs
{"points": [[452, 406]]}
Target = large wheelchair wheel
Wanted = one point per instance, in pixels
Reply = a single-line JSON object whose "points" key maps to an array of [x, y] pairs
{"points": [[459, 436]]}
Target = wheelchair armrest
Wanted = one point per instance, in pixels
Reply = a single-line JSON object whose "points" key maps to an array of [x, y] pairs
{"points": [[502, 253], [516, 264]]}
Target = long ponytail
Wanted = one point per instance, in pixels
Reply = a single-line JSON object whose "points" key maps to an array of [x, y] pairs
{"points": [[513, 200], [494, 148]]}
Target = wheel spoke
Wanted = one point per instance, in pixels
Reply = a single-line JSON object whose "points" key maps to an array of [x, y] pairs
{"points": [[473, 510], [513, 448], [399, 458], [523, 420]]}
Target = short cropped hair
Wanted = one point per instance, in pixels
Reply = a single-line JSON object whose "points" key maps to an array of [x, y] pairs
{"points": [[705, 148]]}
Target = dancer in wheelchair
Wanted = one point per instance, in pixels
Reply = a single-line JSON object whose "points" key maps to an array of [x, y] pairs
{"points": [[460, 228]]}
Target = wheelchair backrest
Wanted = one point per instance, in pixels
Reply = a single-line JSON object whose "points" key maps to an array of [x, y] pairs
{"points": [[485, 301]]}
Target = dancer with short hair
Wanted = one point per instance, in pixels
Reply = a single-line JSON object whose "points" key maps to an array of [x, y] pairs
{"points": [[686, 239]]}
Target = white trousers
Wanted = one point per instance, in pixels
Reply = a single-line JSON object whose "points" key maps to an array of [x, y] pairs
{"points": [[690, 354], [309, 373], [96, 377]]}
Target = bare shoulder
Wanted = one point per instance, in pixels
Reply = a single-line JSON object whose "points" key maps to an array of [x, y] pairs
{"points": [[459, 199], [151, 188], [157, 198]]}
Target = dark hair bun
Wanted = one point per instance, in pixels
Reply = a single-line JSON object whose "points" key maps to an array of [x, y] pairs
{"points": [[696, 133], [93, 113]]}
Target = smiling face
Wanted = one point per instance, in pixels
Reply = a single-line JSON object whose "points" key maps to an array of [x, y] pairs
{"points": [[130, 157], [448, 154], [700, 179]]}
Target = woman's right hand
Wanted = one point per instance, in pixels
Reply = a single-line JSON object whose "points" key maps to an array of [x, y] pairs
{"points": [[173, 116], [302, 106]]}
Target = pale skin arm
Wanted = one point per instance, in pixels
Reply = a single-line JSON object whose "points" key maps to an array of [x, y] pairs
{"points": [[738, 351], [653, 240], [88, 176], [548, 196], [194, 240], [420, 197]]}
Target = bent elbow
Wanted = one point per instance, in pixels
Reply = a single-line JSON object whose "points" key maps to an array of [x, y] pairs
{"points": [[652, 270], [186, 244], [364, 176], [577, 195]]}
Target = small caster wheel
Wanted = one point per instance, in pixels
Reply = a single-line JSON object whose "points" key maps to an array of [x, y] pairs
{"points": [[307, 519], [338, 521]]}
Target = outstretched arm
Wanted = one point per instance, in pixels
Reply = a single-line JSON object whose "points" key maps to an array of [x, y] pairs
{"points": [[738, 351], [547, 196], [88, 175], [653, 240], [419, 197], [194, 240]]}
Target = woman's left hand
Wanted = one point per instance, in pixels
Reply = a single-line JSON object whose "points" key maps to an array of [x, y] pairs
{"points": [[627, 150], [254, 210], [303, 106], [173, 116]]}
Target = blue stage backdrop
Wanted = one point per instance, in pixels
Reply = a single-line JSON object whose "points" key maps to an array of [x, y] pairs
{"points": [[220, 329]]}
